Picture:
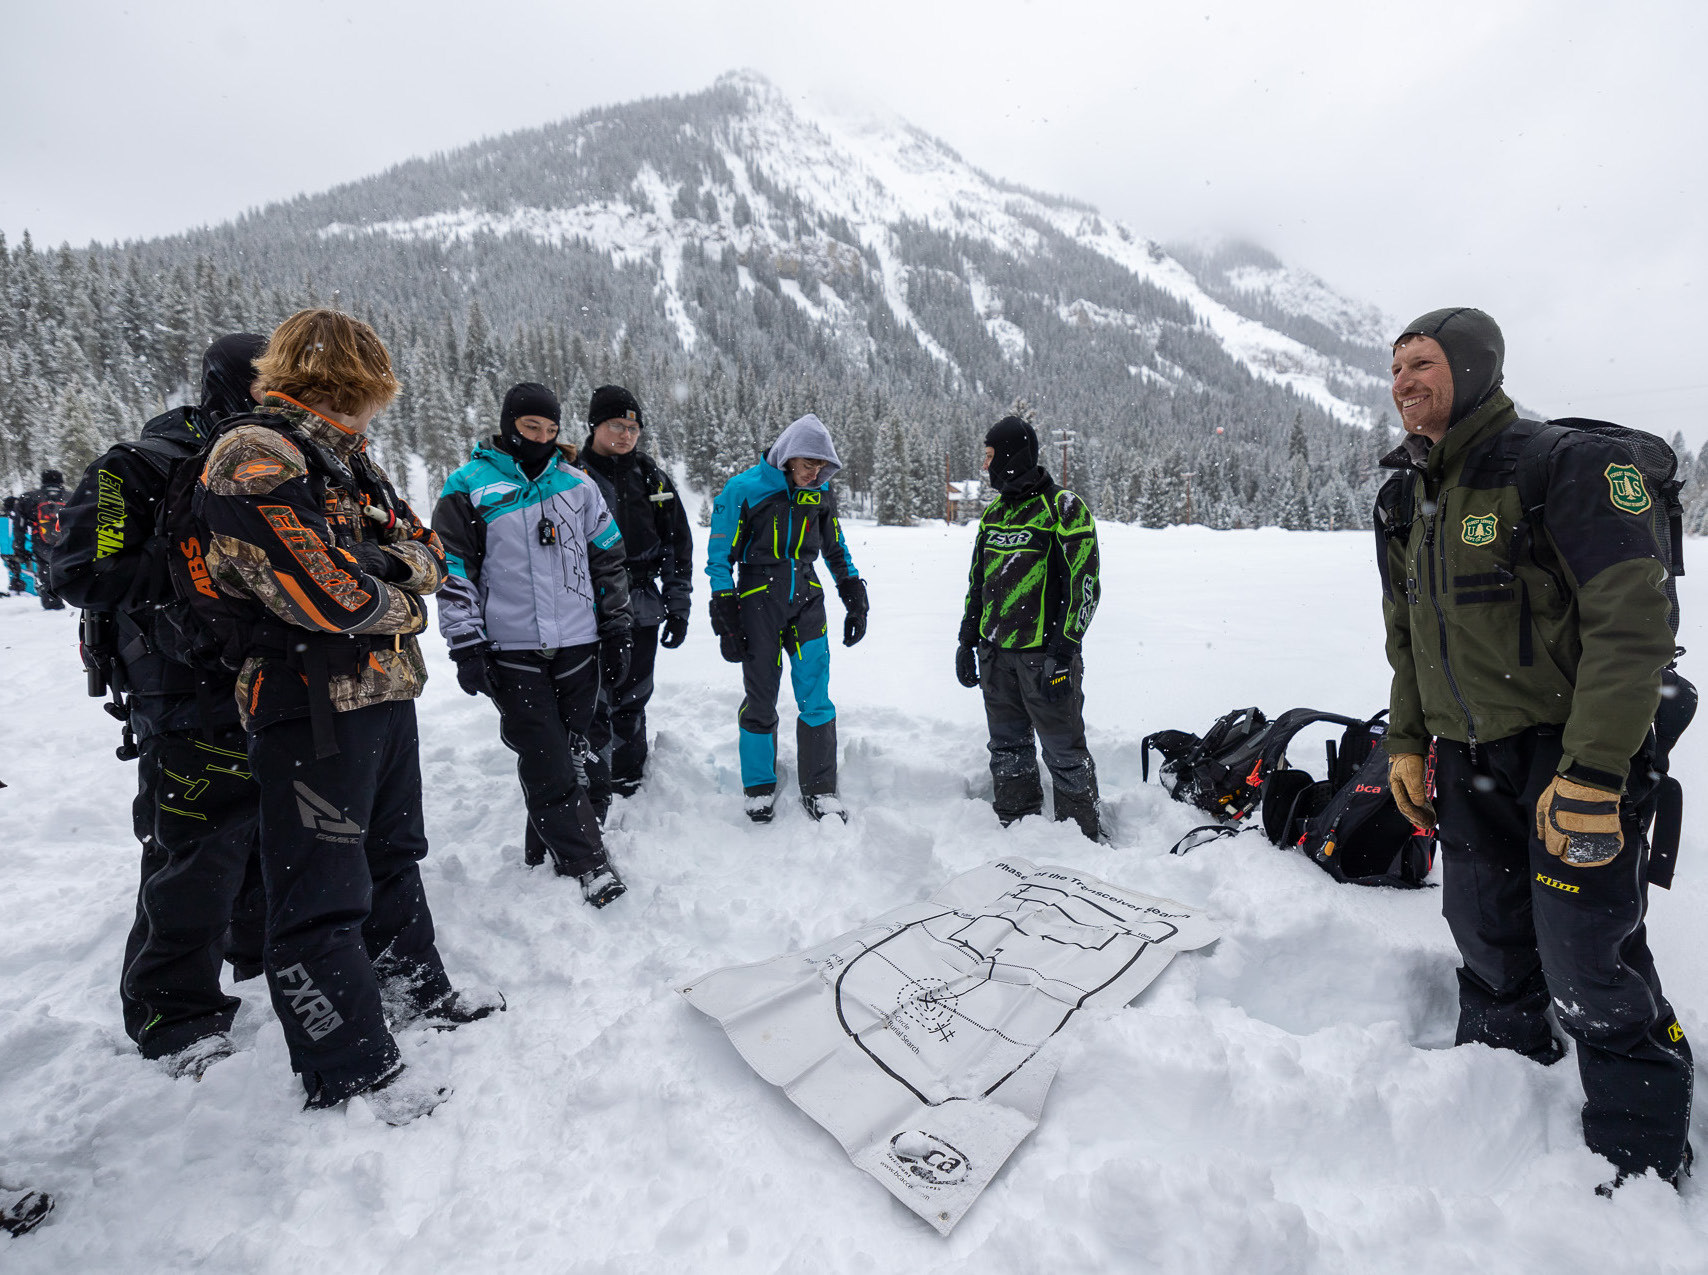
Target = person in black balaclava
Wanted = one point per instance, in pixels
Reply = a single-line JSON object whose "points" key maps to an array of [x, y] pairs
{"points": [[1014, 467], [1529, 636], [535, 611], [228, 375], [199, 898], [528, 426], [1032, 592]]}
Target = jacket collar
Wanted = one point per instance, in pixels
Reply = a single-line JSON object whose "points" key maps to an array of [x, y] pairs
{"points": [[1496, 413], [341, 442]]}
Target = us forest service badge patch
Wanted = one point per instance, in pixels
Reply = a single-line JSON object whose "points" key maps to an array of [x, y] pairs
{"points": [[1480, 530], [1625, 487]]}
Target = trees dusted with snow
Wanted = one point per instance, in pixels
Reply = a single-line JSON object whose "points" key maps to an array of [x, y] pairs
{"points": [[908, 340]]}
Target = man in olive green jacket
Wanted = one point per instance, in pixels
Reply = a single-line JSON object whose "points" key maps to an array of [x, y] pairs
{"points": [[1531, 651]]}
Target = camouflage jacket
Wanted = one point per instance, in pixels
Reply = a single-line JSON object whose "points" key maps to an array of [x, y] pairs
{"points": [[279, 531]]}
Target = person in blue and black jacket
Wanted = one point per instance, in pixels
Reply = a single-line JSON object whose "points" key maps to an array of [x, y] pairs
{"points": [[772, 521], [535, 610]]}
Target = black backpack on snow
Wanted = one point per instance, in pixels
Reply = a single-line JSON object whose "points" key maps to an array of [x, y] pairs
{"points": [[1346, 823]]}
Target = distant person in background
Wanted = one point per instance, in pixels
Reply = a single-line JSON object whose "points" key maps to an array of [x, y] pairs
{"points": [[12, 541], [1031, 593], [1529, 647], [37, 511], [772, 522], [536, 614], [660, 548], [326, 567], [196, 808]]}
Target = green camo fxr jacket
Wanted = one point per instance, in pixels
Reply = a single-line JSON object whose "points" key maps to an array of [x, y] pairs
{"points": [[1493, 629], [1034, 574]]}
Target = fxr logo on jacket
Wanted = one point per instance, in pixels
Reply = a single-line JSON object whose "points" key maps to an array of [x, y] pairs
{"points": [[308, 1003]]}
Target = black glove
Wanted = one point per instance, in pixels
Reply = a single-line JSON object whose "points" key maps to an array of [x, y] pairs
{"points": [[1057, 679], [853, 593], [726, 623], [675, 630], [614, 658], [474, 675], [967, 665], [375, 561]]}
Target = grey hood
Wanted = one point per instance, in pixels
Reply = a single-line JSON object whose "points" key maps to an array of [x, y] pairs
{"points": [[809, 438]]}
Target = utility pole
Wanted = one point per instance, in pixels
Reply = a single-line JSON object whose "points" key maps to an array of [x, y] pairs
{"points": [[948, 490], [1187, 475], [1066, 438]]}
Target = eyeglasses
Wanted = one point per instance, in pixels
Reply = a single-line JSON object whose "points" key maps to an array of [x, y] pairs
{"points": [[621, 427]]}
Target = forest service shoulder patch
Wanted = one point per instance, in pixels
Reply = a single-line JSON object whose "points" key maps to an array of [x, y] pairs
{"points": [[1626, 490]]}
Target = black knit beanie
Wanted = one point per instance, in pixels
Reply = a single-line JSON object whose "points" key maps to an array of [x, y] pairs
{"points": [[1016, 446], [611, 402], [228, 370]]}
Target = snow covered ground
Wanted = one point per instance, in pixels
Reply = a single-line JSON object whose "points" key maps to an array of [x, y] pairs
{"points": [[1283, 1101]]}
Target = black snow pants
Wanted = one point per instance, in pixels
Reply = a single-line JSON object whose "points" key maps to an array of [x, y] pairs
{"points": [[774, 625], [1531, 928], [545, 706], [349, 934], [49, 599], [617, 736], [197, 816], [1015, 707]]}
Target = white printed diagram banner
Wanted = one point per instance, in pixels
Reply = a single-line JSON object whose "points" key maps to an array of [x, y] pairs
{"points": [[915, 1039]]}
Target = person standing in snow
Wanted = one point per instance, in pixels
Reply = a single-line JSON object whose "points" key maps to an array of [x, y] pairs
{"points": [[772, 521], [324, 568], [196, 807], [660, 548], [1031, 593], [1536, 675], [37, 511], [536, 613], [12, 547]]}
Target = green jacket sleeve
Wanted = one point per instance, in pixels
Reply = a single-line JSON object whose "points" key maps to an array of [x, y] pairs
{"points": [[972, 614], [1076, 540]]}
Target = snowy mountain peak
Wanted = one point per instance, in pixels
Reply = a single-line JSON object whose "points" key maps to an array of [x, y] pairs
{"points": [[821, 206]]}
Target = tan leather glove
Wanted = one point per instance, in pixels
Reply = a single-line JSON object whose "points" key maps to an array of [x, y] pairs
{"points": [[1411, 792], [1578, 824]]}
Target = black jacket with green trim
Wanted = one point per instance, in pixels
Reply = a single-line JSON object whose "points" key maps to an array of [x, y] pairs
{"points": [[1034, 578]]}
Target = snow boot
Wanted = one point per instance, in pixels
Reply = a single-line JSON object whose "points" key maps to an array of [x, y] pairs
{"points": [[195, 1058], [22, 1210], [1606, 1189], [400, 1096], [824, 805], [760, 803], [461, 1007], [602, 886]]}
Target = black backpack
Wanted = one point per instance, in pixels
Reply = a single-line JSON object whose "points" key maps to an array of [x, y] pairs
{"points": [[1346, 823], [44, 519], [1663, 802], [1223, 771]]}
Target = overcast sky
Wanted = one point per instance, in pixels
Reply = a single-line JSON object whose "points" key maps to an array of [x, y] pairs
{"points": [[1545, 161]]}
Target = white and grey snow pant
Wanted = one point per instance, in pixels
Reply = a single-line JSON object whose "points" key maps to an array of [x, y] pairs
{"points": [[772, 625], [1533, 929], [545, 705], [1015, 708]]}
